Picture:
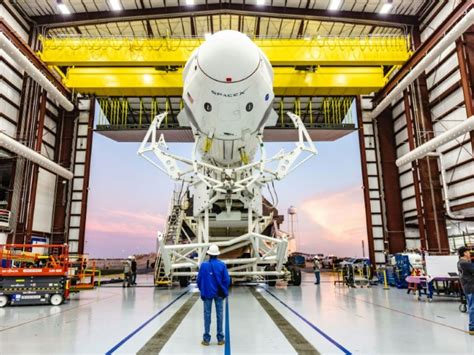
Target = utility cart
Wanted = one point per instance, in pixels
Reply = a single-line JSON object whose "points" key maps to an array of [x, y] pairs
{"points": [[33, 274]]}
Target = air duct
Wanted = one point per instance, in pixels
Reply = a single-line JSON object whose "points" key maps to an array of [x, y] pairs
{"points": [[448, 39], [13, 146], [430, 146], [34, 72]]}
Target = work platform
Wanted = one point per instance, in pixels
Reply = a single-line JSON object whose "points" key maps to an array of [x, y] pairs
{"points": [[330, 319], [184, 135], [128, 119]]}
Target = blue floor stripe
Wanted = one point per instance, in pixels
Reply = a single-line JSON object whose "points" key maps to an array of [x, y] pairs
{"points": [[227, 350], [327, 337], [127, 338]]}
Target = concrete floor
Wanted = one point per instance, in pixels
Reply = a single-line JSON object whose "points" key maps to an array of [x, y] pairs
{"points": [[332, 319]]}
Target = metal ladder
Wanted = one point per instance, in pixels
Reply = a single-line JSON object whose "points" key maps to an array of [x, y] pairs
{"points": [[160, 277], [172, 236]]}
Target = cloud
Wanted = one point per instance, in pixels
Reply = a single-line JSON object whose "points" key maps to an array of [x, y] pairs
{"points": [[334, 220], [125, 223]]}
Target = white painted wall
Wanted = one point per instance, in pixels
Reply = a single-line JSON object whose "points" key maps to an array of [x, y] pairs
{"points": [[45, 194]]}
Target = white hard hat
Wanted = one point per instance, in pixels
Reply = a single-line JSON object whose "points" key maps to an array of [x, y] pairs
{"points": [[130, 257], [213, 250]]}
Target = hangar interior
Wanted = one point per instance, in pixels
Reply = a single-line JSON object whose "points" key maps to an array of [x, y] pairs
{"points": [[326, 62], [72, 68]]}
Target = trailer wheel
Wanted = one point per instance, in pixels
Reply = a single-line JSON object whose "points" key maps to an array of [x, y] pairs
{"points": [[270, 279], [3, 301], [183, 281], [56, 299], [296, 277], [463, 308]]}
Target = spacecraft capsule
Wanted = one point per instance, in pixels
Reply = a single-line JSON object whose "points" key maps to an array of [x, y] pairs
{"points": [[228, 95]]}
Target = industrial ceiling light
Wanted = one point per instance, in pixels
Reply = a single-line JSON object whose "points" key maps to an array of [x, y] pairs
{"points": [[148, 79], [334, 5], [63, 8], [189, 2], [386, 7], [115, 5], [260, 2]]}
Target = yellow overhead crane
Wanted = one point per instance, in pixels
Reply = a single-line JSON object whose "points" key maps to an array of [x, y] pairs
{"points": [[324, 81], [153, 67], [151, 52]]}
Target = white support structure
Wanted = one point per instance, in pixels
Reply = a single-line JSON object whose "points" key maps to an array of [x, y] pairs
{"points": [[213, 184]]}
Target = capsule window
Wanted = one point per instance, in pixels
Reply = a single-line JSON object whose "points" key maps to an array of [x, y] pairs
{"points": [[249, 107], [207, 107]]}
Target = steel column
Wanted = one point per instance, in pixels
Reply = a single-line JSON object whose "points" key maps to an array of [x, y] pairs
{"points": [[35, 168], [395, 228], [414, 167], [365, 180], [64, 145], [433, 202], [465, 54], [87, 169]]}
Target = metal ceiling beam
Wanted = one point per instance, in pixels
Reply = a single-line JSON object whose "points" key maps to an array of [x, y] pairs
{"points": [[336, 81], [85, 18]]}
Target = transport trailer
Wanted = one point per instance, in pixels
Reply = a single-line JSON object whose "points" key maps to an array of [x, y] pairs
{"points": [[33, 274]]}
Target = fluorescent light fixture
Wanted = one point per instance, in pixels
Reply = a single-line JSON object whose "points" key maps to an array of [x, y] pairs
{"points": [[34, 72], [334, 5], [147, 78], [448, 136], [21, 150], [260, 2], [189, 2], [115, 5], [386, 7], [63, 8]]}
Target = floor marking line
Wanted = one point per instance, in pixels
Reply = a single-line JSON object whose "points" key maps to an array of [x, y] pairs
{"points": [[127, 338], [289, 331], [52, 315], [323, 334], [407, 314], [158, 341], [227, 349]]}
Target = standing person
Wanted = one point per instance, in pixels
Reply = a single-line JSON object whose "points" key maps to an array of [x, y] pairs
{"points": [[134, 271], [213, 281], [317, 270], [466, 273], [127, 272]]}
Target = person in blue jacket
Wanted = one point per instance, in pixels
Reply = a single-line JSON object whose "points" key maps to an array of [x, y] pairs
{"points": [[213, 281]]}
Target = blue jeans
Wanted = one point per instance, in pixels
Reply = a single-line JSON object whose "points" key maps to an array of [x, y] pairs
{"points": [[207, 318], [470, 310], [318, 277]]}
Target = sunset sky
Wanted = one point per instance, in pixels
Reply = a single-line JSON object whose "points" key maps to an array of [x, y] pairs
{"points": [[129, 199]]}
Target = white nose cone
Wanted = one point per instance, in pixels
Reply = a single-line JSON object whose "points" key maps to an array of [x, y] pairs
{"points": [[228, 57]]}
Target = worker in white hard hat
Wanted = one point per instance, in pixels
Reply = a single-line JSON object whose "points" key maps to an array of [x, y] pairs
{"points": [[213, 281], [317, 270], [127, 272]]}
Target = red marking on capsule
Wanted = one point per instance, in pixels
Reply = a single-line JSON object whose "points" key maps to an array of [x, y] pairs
{"points": [[228, 80]]}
